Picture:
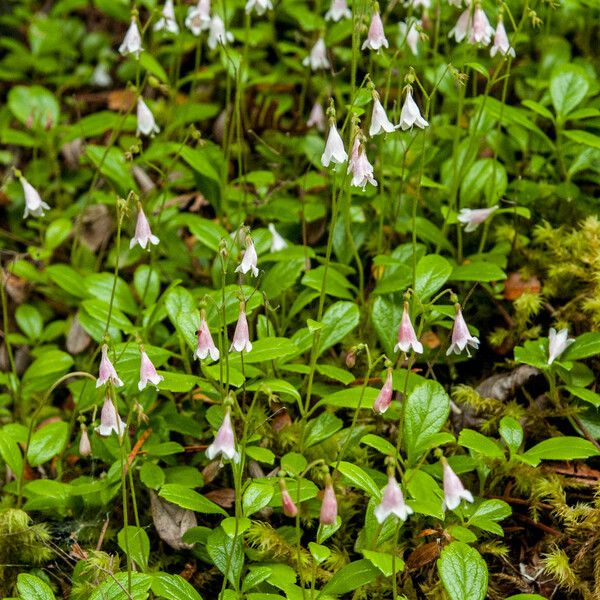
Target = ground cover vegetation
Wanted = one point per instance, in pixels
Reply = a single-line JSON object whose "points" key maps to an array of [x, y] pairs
{"points": [[300, 299]]}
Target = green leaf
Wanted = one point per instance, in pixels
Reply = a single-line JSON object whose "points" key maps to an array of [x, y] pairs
{"points": [[583, 137], [259, 454], [463, 572], [270, 348], [427, 409], [183, 314], [11, 452], [321, 428], [351, 398], [199, 160], [431, 274], [319, 552], [112, 587], [281, 277], [111, 163], [58, 231], [584, 394], [426, 493], [569, 85], [386, 315], [152, 476], [293, 463], [487, 513], [526, 597], [379, 443], [512, 433], [33, 588], [559, 448], [586, 345], [478, 271], [173, 587], [384, 562], [256, 496], [337, 285], [34, 106], [178, 382], [480, 443], [148, 62], [359, 478], [227, 554], [208, 233], [29, 320], [187, 498], [135, 543], [351, 577], [47, 442]]}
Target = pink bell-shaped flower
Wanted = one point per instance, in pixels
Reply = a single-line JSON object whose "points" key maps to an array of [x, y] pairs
{"points": [[558, 342], [85, 447], [277, 241], [317, 59], [375, 36], [132, 42], [217, 35], [107, 372], [241, 337], [249, 259], [461, 338], [167, 22], [501, 43], [337, 11], [147, 372], [206, 346], [410, 34], [462, 27], [260, 6], [334, 148], [384, 398], [379, 120], [410, 114], [198, 17], [360, 167], [473, 218], [392, 502], [329, 507], [316, 117], [143, 234], [224, 441], [407, 338], [481, 31], [110, 420], [289, 507], [146, 125], [34, 205], [454, 490]]}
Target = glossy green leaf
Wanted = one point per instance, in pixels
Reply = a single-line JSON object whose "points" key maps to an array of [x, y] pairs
{"points": [[463, 572]]}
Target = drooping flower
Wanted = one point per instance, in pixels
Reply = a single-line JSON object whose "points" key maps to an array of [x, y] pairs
{"points": [[289, 508], [249, 259], [410, 114], [360, 167], [375, 36], [277, 242], [132, 42], [329, 506], [462, 27], [334, 148], [85, 448], [424, 3], [147, 372], [454, 490], [473, 218], [384, 398], [481, 30], [501, 43], [461, 338], [316, 117], [34, 205], [241, 337], [143, 234], [206, 346], [146, 124], [106, 371], [198, 17], [260, 6], [392, 502], [410, 34], [558, 342], [101, 76], [317, 59], [407, 338], [217, 34], [167, 22], [110, 420], [224, 441], [337, 11], [379, 120]]}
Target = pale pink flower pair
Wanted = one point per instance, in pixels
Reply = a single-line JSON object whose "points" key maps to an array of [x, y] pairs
{"points": [[475, 27], [360, 167]]}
